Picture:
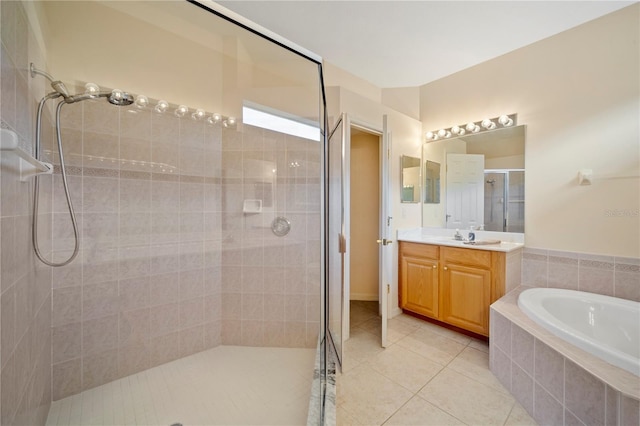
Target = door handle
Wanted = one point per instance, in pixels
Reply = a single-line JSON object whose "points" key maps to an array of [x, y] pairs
{"points": [[384, 242]]}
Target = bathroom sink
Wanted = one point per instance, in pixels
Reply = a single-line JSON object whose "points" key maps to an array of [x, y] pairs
{"points": [[482, 242]]}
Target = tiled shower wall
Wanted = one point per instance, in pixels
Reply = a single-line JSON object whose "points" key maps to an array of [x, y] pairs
{"points": [[145, 288], [608, 275], [170, 264], [271, 284], [25, 283]]}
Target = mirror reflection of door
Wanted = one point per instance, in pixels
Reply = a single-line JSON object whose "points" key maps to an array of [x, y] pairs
{"points": [[465, 190]]}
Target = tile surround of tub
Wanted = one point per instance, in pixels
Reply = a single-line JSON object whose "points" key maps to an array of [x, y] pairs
{"points": [[551, 387], [608, 275], [25, 283]]}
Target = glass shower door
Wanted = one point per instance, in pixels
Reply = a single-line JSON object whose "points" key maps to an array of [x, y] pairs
{"points": [[336, 235]]}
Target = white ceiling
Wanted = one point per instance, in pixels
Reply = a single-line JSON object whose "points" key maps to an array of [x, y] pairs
{"points": [[411, 43]]}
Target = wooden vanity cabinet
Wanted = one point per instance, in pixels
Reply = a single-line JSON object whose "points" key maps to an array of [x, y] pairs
{"points": [[419, 269], [450, 284]]}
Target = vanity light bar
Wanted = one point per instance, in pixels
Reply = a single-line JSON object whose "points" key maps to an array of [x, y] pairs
{"points": [[473, 127]]}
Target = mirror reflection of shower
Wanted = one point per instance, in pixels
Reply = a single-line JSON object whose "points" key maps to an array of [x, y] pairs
{"points": [[114, 97], [504, 200]]}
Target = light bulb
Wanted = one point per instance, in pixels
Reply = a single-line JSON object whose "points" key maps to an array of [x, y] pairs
{"points": [[430, 135], [505, 121], [91, 89], [471, 126], [117, 94], [442, 133], [198, 115], [476, 128], [448, 134], [161, 106], [181, 111], [488, 124], [232, 121], [142, 101], [457, 130]]}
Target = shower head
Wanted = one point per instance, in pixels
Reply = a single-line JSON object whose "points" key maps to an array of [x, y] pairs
{"points": [[491, 181], [115, 97], [120, 98]]}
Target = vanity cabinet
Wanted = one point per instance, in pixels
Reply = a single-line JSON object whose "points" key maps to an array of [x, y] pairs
{"points": [[419, 266], [452, 285]]}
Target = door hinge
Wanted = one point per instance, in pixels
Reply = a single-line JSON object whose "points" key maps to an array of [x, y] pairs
{"points": [[388, 288]]}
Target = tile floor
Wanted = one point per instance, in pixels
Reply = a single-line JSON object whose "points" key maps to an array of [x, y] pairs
{"points": [[428, 375], [227, 385]]}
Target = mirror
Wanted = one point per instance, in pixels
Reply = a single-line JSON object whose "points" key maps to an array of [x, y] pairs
{"points": [[431, 182], [494, 197], [410, 179]]}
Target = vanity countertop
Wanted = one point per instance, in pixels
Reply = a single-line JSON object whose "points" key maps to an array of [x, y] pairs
{"points": [[444, 237]]}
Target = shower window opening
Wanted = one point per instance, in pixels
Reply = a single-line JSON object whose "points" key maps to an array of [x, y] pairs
{"points": [[279, 121]]}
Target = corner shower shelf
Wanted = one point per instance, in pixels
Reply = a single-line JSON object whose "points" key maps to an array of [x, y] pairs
{"points": [[28, 165]]}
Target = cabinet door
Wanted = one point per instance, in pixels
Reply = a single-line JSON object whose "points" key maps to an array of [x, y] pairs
{"points": [[466, 294], [420, 286]]}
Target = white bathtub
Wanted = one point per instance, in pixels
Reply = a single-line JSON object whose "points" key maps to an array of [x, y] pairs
{"points": [[604, 326]]}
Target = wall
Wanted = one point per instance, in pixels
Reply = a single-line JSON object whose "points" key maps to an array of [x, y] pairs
{"points": [[25, 283], [146, 287], [271, 284], [577, 93], [404, 132], [365, 208]]}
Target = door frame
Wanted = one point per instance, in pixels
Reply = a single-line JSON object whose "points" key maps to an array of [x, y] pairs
{"points": [[384, 225]]}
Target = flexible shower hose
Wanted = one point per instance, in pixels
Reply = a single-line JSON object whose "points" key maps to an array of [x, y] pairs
{"points": [[36, 189]]}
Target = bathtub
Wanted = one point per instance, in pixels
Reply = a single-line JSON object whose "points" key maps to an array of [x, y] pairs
{"points": [[604, 326]]}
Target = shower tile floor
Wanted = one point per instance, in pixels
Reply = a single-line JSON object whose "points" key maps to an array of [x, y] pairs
{"points": [[428, 375], [227, 385]]}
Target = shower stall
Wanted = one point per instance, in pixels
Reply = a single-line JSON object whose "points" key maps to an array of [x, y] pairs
{"points": [[180, 235], [504, 200]]}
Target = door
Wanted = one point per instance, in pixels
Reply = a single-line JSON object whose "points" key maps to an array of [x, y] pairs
{"points": [[419, 285], [386, 253], [466, 296], [465, 190], [339, 229], [337, 242]]}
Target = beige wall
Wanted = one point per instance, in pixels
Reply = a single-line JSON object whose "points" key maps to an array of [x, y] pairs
{"points": [[365, 216], [577, 92]]}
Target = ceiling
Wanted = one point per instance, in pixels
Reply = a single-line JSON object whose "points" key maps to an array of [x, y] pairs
{"points": [[411, 43]]}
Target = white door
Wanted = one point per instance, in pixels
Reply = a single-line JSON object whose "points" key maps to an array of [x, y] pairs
{"points": [[465, 190], [386, 253], [339, 231]]}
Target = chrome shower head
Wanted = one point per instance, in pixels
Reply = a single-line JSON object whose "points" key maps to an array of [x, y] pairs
{"points": [[120, 98]]}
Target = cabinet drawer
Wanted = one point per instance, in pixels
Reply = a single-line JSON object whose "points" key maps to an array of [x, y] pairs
{"points": [[480, 258], [419, 250]]}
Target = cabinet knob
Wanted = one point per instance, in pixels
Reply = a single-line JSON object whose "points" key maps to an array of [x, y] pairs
{"points": [[446, 269], [435, 266]]}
